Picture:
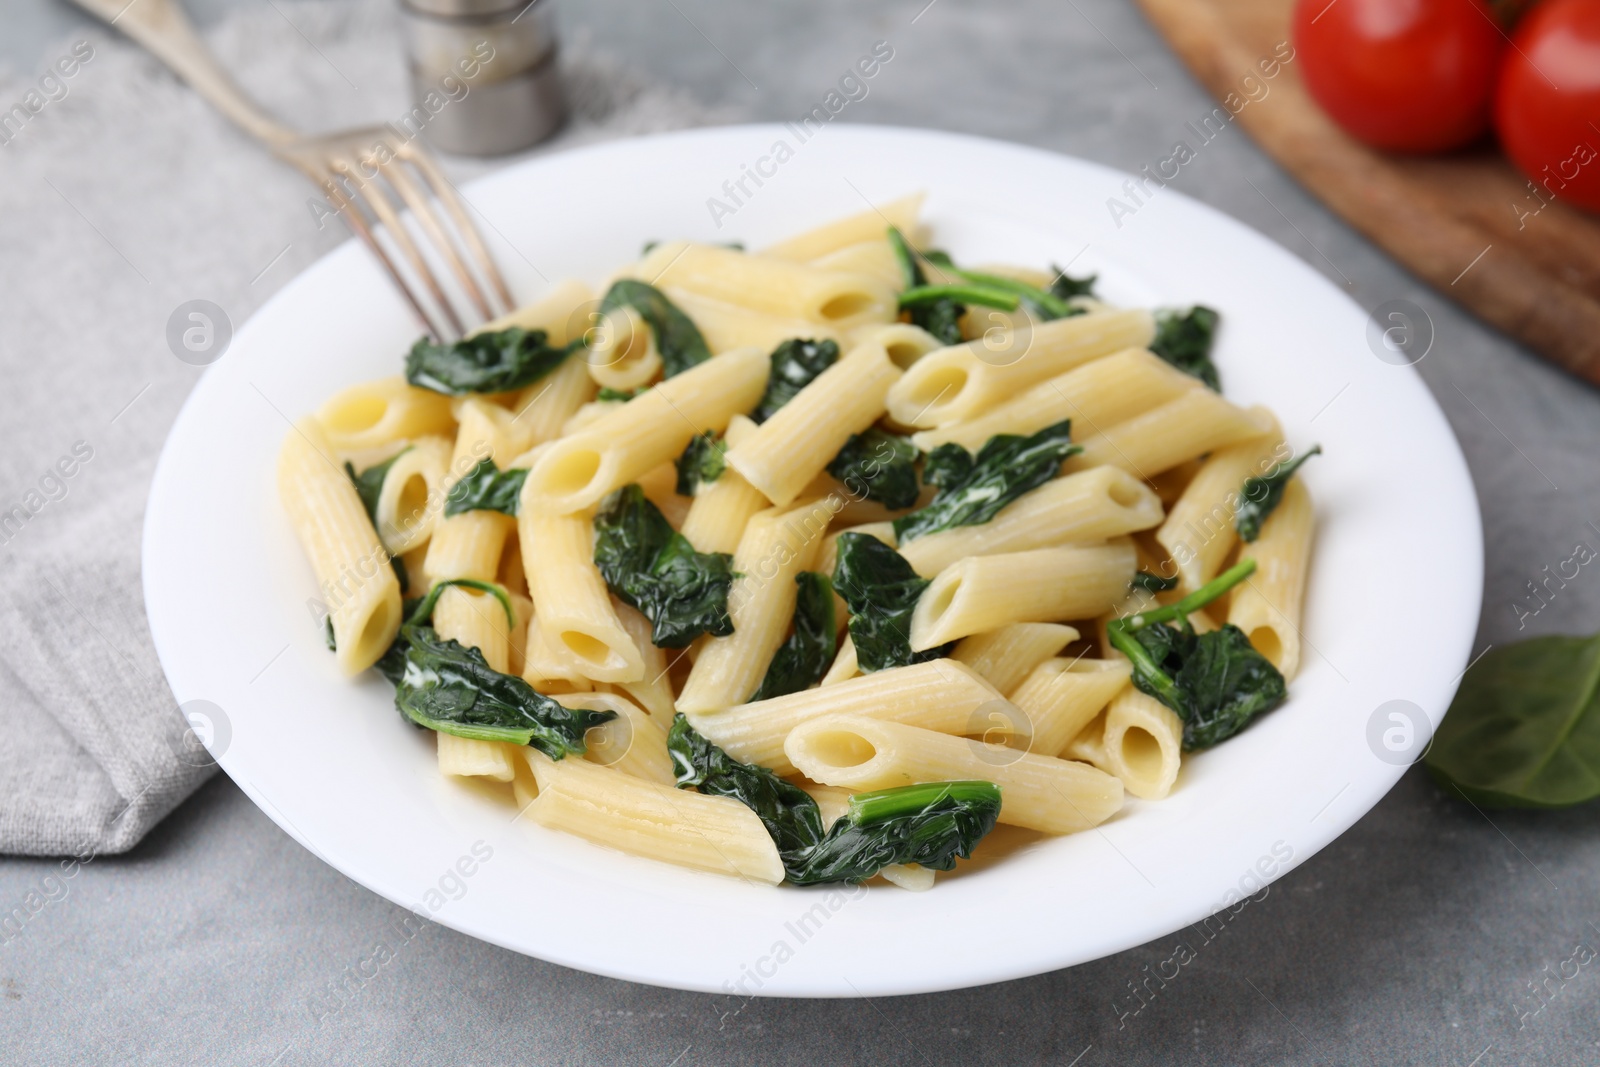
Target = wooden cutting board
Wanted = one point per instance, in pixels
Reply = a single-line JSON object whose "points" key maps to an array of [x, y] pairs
{"points": [[1467, 223]]}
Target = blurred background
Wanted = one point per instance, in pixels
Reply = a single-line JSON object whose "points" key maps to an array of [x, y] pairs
{"points": [[1425, 934]]}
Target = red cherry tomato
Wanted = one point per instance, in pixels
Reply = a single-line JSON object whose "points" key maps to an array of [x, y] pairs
{"points": [[1405, 75], [1547, 106]]}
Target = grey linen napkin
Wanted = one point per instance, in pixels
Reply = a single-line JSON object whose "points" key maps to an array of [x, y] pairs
{"points": [[122, 197]]}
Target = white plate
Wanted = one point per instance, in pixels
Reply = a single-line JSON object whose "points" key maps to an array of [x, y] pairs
{"points": [[1392, 607]]}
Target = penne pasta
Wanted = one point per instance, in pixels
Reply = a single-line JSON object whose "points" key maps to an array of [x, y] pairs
{"points": [[1143, 744], [351, 564], [940, 695], [1198, 533], [962, 382], [774, 286], [1197, 422], [1042, 793], [1062, 696], [1044, 585], [865, 226], [576, 471], [1006, 656], [374, 414], [570, 601], [1268, 606]]}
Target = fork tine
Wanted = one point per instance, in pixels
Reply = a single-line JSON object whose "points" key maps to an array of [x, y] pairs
{"points": [[379, 202], [428, 219], [351, 213], [468, 232]]}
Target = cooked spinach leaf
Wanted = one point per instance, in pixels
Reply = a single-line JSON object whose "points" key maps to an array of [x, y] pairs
{"points": [[1153, 583], [486, 488], [449, 688], [972, 489], [804, 656], [1067, 287], [1261, 495], [985, 296], [878, 466], [930, 824], [1185, 339], [607, 393], [786, 810], [1524, 728], [1217, 682], [652, 567], [942, 317], [485, 363], [881, 589], [677, 337], [369, 483], [704, 459], [796, 363]]}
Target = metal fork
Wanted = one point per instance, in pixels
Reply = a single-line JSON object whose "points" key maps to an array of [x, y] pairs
{"points": [[351, 167]]}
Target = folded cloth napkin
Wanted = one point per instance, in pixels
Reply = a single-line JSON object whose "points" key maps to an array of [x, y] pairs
{"points": [[123, 197]]}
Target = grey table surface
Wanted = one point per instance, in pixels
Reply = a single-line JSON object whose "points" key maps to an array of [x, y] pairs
{"points": [[1417, 937]]}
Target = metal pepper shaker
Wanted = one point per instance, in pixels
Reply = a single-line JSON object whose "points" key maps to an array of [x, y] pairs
{"points": [[484, 77]]}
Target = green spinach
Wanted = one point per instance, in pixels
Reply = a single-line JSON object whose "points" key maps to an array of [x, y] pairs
{"points": [[1217, 682], [1185, 341], [931, 824], [1262, 494], [1524, 728], [940, 317], [704, 459], [804, 656], [652, 567], [446, 687], [881, 589], [485, 363], [677, 338], [796, 363], [878, 466], [486, 488], [1067, 287], [973, 489], [607, 393], [1153, 583]]}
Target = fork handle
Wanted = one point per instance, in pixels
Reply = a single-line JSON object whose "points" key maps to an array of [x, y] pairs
{"points": [[160, 25]]}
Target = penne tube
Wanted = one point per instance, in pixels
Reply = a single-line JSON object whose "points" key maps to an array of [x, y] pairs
{"points": [[721, 509], [1006, 656], [650, 819], [1062, 696], [475, 619], [374, 414], [469, 545], [1096, 395], [1143, 744], [1092, 505], [1267, 606], [940, 695], [570, 600], [871, 224], [1044, 585], [660, 487], [550, 669], [776, 287], [1197, 422], [1090, 744], [412, 496], [543, 408], [633, 742], [653, 691], [1199, 533], [522, 608], [1042, 793], [484, 428], [777, 546], [909, 876], [727, 326], [575, 472], [960, 383], [873, 258], [351, 564], [905, 343], [467, 757], [790, 449], [622, 351]]}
